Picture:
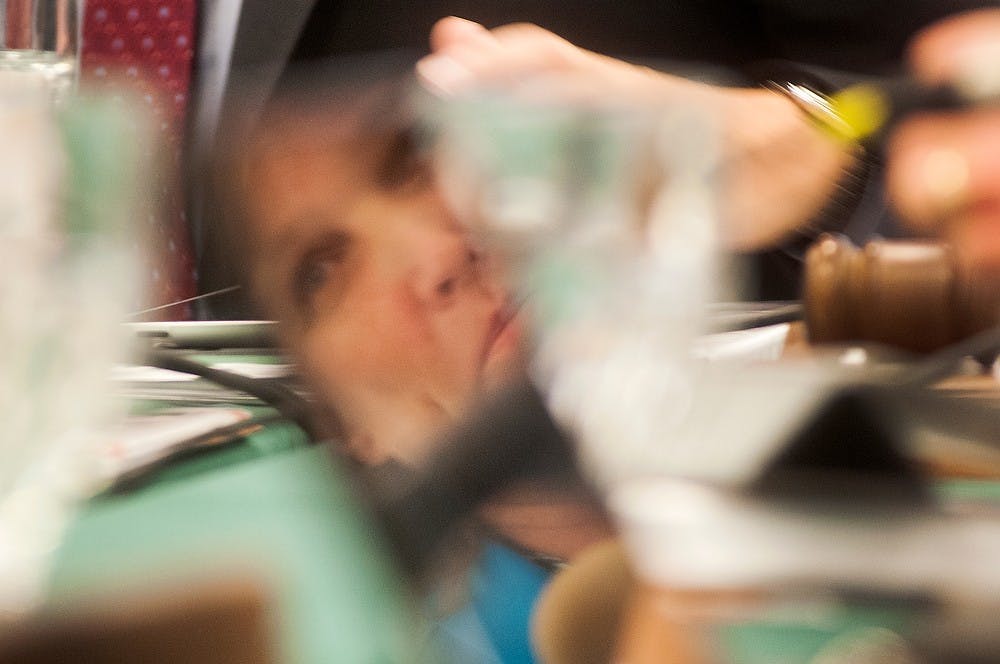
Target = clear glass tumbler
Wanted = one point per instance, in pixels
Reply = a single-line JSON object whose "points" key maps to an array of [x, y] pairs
{"points": [[38, 46]]}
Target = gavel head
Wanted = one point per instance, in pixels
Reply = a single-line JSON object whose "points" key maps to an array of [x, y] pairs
{"points": [[910, 294]]}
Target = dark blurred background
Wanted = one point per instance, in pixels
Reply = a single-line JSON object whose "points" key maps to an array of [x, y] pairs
{"points": [[858, 35]]}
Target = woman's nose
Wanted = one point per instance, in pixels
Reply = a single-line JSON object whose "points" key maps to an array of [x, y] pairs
{"points": [[451, 269]]}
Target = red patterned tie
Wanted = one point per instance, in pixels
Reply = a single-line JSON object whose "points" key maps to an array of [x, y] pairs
{"points": [[150, 44]]}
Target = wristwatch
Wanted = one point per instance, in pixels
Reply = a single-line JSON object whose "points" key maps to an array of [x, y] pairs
{"points": [[814, 105], [835, 214]]}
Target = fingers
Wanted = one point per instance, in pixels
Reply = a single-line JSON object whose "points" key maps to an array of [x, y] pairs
{"points": [[452, 29], [944, 176], [948, 50], [944, 169], [944, 163], [465, 54], [459, 47]]}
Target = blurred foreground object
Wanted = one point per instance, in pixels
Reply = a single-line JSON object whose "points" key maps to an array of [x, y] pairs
{"points": [[71, 189], [909, 294], [248, 539], [825, 543], [278, 518], [217, 622], [606, 214], [145, 50], [726, 577], [757, 502], [38, 47]]}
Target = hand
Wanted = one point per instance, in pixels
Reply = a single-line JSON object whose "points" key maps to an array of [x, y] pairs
{"points": [[777, 170], [517, 57], [944, 169]]}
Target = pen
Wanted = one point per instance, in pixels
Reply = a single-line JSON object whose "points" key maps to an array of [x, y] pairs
{"points": [[867, 112]]}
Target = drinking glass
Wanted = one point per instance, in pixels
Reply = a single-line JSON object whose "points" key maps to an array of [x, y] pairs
{"points": [[38, 46]]}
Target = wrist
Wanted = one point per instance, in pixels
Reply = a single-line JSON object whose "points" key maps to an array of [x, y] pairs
{"points": [[781, 169]]}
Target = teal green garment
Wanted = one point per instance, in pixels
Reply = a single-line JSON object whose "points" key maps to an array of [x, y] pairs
{"points": [[804, 634], [984, 493], [289, 518], [275, 438], [269, 506], [800, 634]]}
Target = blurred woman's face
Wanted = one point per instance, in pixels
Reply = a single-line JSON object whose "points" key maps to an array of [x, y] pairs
{"points": [[395, 317]]}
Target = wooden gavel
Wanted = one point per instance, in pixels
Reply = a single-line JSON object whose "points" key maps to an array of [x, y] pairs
{"points": [[908, 294]]}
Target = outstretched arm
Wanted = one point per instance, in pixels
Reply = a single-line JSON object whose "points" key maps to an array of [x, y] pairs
{"points": [[779, 169]]}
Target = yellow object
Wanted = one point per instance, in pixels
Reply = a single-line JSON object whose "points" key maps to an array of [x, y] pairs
{"points": [[863, 110]]}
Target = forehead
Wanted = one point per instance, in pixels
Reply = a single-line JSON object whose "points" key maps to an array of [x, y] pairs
{"points": [[297, 177], [292, 162]]}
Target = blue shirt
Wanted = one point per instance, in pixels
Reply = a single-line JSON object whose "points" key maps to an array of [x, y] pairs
{"points": [[494, 628]]}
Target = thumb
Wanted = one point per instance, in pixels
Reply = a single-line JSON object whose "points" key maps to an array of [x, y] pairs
{"points": [[453, 30]]}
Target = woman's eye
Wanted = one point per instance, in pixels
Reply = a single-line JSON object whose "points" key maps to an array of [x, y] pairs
{"points": [[311, 278], [318, 269], [316, 275]]}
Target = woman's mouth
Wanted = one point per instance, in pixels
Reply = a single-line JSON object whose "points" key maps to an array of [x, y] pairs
{"points": [[504, 335]]}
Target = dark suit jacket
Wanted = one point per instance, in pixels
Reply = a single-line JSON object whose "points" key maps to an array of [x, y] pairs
{"points": [[863, 36], [265, 39]]}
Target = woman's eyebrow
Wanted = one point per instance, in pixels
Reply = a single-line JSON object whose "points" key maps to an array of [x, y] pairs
{"points": [[400, 159]]}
